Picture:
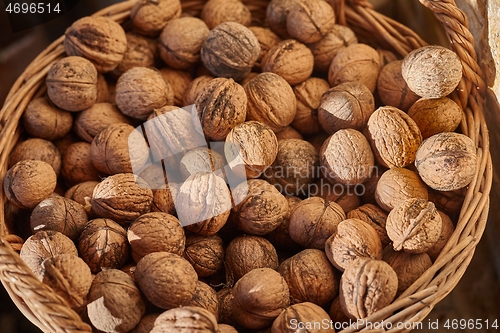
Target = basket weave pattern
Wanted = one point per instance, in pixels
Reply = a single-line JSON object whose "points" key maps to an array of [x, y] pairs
{"points": [[51, 314]]}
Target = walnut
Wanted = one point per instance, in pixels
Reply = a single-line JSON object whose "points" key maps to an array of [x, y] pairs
{"points": [[181, 41], [375, 216], [347, 158], [146, 324], [313, 220], [195, 87], [271, 101], [434, 116], [36, 149], [367, 286], [290, 59], [336, 312], [205, 297], [202, 159], [141, 52], [277, 13], [308, 95], [230, 51], [163, 199], [99, 39], [42, 119], [72, 83], [347, 197], [166, 279], [280, 237], [43, 245], [247, 252], [267, 39], [153, 175], [310, 20], [447, 230], [114, 302], [186, 319], [450, 202], [447, 161], [310, 277], [140, 90], [392, 88], [386, 57], [215, 12], [414, 225], [103, 89], [396, 185], [179, 81], [307, 314], [370, 185], [77, 166], [394, 137], [205, 253], [93, 120], [353, 239], [259, 297], [69, 276], [355, 63], [29, 182], [221, 105], [288, 133], [225, 297], [432, 71], [259, 207], [327, 47], [150, 17], [82, 193], [224, 328]]}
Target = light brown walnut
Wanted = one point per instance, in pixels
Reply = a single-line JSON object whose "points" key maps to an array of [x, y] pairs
{"points": [[308, 95], [392, 88], [434, 116], [375, 217], [77, 165], [215, 12], [447, 230], [267, 39], [179, 81], [195, 87], [141, 52], [186, 318], [288, 133], [36, 149], [205, 297], [205, 253], [306, 313], [150, 17], [42, 119], [310, 21], [277, 13]]}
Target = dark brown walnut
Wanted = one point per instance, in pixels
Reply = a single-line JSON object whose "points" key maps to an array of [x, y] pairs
{"points": [[225, 297], [230, 50], [163, 199], [327, 47], [72, 83], [181, 41], [36, 149], [259, 207], [435, 115], [150, 17], [408, 267], [310, 20], [375, 216], [336, 312], [432, 71], [65, 142], [355, 63], [370, 185], [195, 87], [42, 119], [313, 220], [271, 101], [346, 157], [103, 245], [82, 193], [69, 277], [291, 60], [353, 239], [29, 182], [276, 14], [308, 95], [59, 214], [77, 166], [43, 245], [141, 52], [155, 232], [308, 314], [179, 81], [246, 253], [450, 202], [392, 88], [347, 197], [414, 226], [348, 105], [103, 89], [114, 302], [215, 12], [310, 277], [93, 120], [396, 185], [221, 105], [447, 230], [280, 237], [186, 319], [288, 133], [203, 203], [202, 159], [250, 149], [122, 197], [146, 324], [205, 297], [394, 137], [318, 139], [140, 90], [166, 279], [367, 286], [267, 39], [205, 254], [98, 39]]}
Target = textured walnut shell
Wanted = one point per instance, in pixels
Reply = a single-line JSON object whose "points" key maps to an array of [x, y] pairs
{"points": [[202, 159], [291, 60], [336, 312], [186, 319], [313, 220], [205, 297], [447, 230], [310, 277], [267, 39], [195, 87], [179, 81], [367, 286], [215, 12], [434, 116], [394, 137], [163, 199], [205, 253], [310, 21], [392, 88], [288, 133], [153, 175], [375, 216], [221, 105], [259, 297], [305, 313], [276, 14], [82, 193], [146, 324], [414, 226], [347, 197], [103, 89], [224, 328], [77, 165], [432, 71], [42, 119], [99, 39], [141, 52], [36, 149], [150, 17], [225, 297], [347, 157], [72, 83], [166, 279], [280, 237], [308, 95], [28, 182], [447, 161]]}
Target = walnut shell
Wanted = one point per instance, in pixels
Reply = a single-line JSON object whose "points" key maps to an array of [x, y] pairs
{"points": [[336, 312], [277, 13], [225, 297], [186, 319], [280, 237], [308, 95], [103, 89], [195, 87], [99, 39], [447, 230], [146, 324], [288, 133], [77, 166], [215, 12], [267, 39], [202, 159], [347, 197], [163, 199], [392, 88], [150, 17], [36, 149], [153, 174], [141, 52], [310, 20], [224, 328], [82, 193], [205, 253], [179, 81], [375, 216], [205, 297], [42, 119], [309, 315]]}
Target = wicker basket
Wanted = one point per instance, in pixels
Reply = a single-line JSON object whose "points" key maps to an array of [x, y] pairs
{"points": [[51, 314]]}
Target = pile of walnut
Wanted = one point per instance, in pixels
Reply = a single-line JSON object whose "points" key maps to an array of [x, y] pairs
{"points": [[355, 171]]}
